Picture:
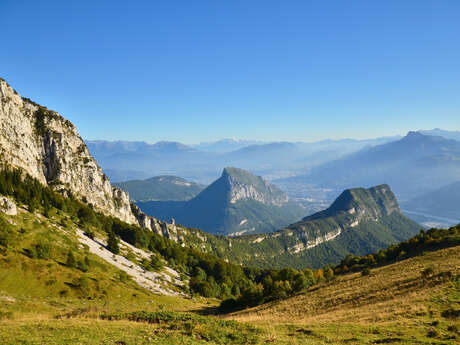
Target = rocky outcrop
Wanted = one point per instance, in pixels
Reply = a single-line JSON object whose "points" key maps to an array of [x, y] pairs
{"points": [[243, 185], [7, 206], [316, 241], [48, 147]]}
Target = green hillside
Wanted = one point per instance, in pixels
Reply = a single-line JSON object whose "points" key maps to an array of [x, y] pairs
{"points": [[161, 188]]}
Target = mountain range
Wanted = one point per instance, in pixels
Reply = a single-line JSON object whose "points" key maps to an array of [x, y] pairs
{"points": [[437, 132], [443, 202], [203, 162], [238, 202], [412, 166], [225, 145]]}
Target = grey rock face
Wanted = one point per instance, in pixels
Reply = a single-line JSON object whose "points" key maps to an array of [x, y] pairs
{"points": [[7, 206], [49, 148], [244, 185]]}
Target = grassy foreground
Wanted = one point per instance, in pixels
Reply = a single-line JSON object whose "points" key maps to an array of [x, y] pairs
{"points": [[395, 304], [44, 301], [415, 301]]}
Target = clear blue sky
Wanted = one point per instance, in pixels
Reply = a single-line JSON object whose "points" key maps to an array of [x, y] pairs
{"points": [[269, 70]]}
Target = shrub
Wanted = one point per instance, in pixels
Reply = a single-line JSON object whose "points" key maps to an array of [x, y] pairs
{"points": [[89, 234], [366, 271], [5, 238], [156, 263], [82, 266], [427, 273], [451, 313], [123, 276], [83, 285], [41, 250], [112, 243], [71, 261], [328, 273]]}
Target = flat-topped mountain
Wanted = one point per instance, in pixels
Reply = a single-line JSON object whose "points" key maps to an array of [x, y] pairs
{"points": [[238, 202], [161, 188], [375, 202]]}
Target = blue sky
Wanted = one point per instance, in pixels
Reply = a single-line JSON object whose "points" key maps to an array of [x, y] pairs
{"points": [[269, 70]]}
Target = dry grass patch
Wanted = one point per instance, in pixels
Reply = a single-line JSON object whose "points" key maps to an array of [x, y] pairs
{"points": [[390, 293]]}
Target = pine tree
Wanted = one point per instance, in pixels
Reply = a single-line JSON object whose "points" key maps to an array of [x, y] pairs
{"points": [[112, 243]]}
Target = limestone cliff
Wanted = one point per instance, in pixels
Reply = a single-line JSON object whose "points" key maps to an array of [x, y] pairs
{"points": [[49, 148], [244, 185]]}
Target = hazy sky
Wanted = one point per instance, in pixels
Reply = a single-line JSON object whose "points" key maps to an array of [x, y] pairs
{"points": [[269, 70]]}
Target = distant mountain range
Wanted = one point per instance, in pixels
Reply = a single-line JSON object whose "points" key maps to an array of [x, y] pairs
{"points": [[236, 203], [226, 145], [413, 165], [123, 160], [442, 133], [442, 202], [161, 188]]}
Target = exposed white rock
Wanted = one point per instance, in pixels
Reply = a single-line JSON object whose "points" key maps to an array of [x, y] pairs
{"points": [[49, 148], [264, 192], [315, 242], [8, 206], [149, 280], [258, 240]]}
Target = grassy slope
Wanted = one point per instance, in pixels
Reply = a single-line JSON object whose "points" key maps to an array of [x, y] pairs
{"points": [[49, 286], [34, 311], [391, 305], [42, 300]]}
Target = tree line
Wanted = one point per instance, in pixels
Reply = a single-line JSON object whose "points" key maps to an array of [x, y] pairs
{"points": [[430, 240]]}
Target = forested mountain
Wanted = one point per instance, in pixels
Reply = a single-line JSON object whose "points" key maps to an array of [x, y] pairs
{"points": [[161, 188]]}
